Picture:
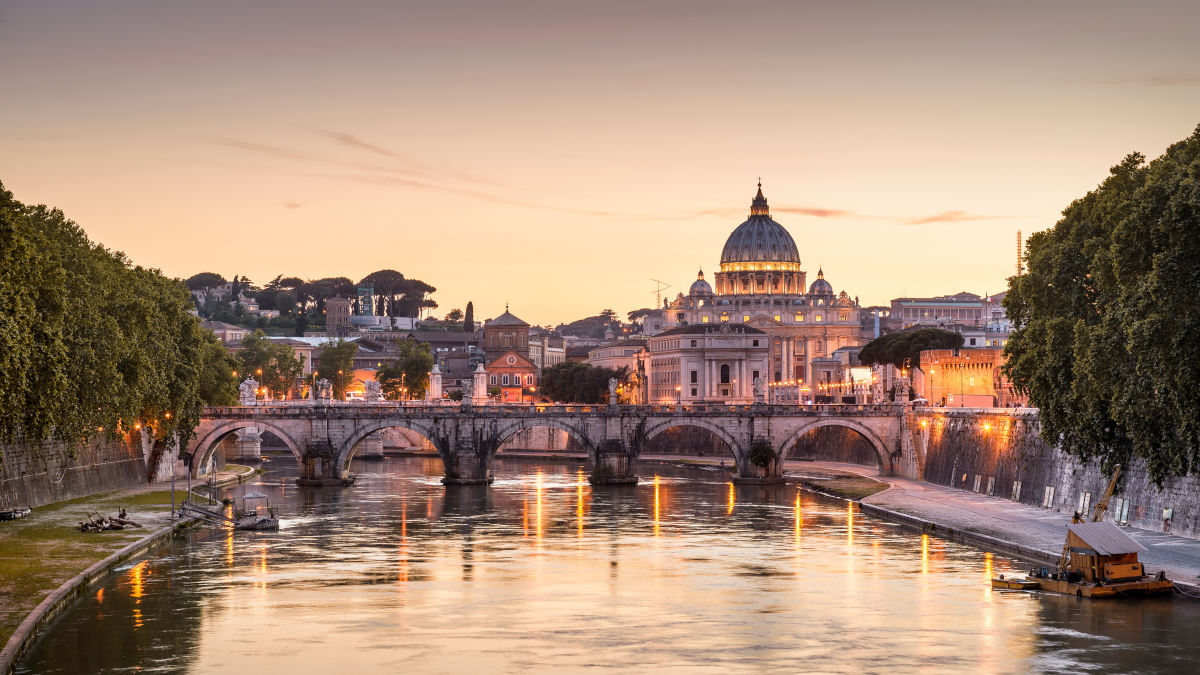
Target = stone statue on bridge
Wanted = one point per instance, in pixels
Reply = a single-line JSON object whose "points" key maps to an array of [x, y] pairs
{"points": [[324, 390], [612, 391], [760, 390], [878, 395], [372, 393], [248, 391]]}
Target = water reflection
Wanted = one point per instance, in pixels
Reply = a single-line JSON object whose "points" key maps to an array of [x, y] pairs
{"points": [[543, 572]]}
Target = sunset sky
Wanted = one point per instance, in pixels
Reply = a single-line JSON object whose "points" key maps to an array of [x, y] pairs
{"points": [[559, 155]]}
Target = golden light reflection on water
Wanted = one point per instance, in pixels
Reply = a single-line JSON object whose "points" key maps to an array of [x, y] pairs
{"points": [[732, 499], [656, 505], [538, 524], [924, 554], [137, 590], [850, 523], [799, 517], [579, 503], [261, 569], [402, 567]]}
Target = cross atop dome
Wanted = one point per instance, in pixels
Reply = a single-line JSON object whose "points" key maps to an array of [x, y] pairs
{"points": [[758, 207]]}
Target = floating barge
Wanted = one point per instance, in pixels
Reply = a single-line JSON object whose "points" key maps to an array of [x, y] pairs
{"points": [[13, 514], [1099, 561]]}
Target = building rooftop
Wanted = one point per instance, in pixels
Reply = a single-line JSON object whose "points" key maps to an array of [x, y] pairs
{"points": [[1106, 538], [506, 319], [710, 328]]}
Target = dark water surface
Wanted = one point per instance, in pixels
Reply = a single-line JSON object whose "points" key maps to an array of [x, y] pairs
{"points": [[540, 572]]}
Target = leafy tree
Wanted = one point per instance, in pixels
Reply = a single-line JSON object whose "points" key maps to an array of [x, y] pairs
{"points": [[219, 375], [275, 366], [1108, 318], [204, 280], [903, 349], [639, 313], [469, 318], [575, 382], [454, 315], [388, 285], [408, 376], [336, 364]]}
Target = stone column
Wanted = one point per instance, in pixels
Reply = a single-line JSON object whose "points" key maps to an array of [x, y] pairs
{"points": [[479, 386], [435, 384]]}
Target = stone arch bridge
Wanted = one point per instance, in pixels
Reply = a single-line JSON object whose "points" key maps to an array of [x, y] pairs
{"points": [[325, 437]]}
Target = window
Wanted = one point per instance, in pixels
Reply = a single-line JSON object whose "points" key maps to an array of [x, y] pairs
{"points": [[725, 318], [799, 317], [1048, 497], [693, 392], [494, 380], [755, 343], [704, 319], [1016, 493], [778, 317], [754, 376], [693, 343], [529, 379], [745, 318], [819, 318], [694, 377], [725, 374], [972, 342], [504, 380]]}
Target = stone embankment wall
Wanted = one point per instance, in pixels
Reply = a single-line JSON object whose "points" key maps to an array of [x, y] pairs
{"points": [[40, 473], [1003, 454]]}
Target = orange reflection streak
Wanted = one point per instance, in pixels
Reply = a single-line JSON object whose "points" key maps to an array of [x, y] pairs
{"points": [[579, 503], [656, 506], [924, 554], [987, 578], [137, 590], [261, 568], [850, 522], [799, 517], [525, 517], [429, 508], [229, 539], [539, 506], [403, 520], [100, 596], [732, 499]]}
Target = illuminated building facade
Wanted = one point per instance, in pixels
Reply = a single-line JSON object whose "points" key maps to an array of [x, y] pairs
{"points": [[761, 284]]}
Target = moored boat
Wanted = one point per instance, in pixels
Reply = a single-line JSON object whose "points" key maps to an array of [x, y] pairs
{"points": [[13, 514]]}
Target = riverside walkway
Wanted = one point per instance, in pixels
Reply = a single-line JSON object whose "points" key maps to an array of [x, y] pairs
{"points": [[1027, 526]]}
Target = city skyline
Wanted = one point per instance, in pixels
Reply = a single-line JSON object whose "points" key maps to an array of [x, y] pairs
{"points": [[557, 158]]}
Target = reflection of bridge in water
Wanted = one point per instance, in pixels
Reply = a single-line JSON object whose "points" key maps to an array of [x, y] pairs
{"points": [[325, 438]]}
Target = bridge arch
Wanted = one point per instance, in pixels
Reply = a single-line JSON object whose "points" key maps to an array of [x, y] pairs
{"points": [[659, 427], [516, 426], [346, 452], [886, 461], [207, 443]]}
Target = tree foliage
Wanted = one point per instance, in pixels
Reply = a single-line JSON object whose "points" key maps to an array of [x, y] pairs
{"points": [[575, 382], [204, 280], [408, 376], [337, 355], [469, 318], [88, 341], [275, 366], [903, 349], [1108, 317]]}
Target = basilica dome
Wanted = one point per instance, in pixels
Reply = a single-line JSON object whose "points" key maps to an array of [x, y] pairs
{"points": [[820, 286], [700, 286], [760, 239]]}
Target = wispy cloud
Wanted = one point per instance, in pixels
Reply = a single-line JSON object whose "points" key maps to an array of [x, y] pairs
{"points": [[951, 217], [293, 205], [1156, 80], [817, 212]]}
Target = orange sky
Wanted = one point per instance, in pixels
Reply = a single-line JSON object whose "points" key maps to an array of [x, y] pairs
{"points": [[559, 155]]}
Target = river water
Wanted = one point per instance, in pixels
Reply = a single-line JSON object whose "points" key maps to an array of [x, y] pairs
{"points": [[540, 572]]}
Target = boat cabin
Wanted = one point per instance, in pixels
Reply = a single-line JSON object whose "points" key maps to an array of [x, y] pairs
{"points": [[1102, 553], [255, 503]]}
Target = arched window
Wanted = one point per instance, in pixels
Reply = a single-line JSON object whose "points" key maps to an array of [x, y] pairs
{"points": [[725, 374]]}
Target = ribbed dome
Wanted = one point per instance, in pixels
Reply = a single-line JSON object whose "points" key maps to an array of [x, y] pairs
{"points": [[700, 286], [760, 239], [820, 286]]}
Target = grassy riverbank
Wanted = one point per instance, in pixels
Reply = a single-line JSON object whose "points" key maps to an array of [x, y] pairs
{"points": [[41, 552]]}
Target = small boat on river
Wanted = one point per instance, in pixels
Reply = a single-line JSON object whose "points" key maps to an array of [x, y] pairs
{"points": [[257, 514], [1099, 561], [13, 514]]}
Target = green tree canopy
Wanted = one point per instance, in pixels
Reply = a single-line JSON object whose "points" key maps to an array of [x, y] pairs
{"points": [[903, 349], [88, 341], [408, 377], [275, 366], [205, 280], [336, 364], [575, 382], [1108, 317]]}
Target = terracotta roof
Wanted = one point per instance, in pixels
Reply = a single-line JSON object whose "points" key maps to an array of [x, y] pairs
{"points": [[506, 319]]}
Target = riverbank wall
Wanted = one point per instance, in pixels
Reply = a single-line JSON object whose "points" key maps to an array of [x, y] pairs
{"points": [[1002, 453], [33, 473]]}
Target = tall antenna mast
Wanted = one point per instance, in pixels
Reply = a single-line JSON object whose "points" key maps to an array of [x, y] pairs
{"points": [[1020, 266], [662, 285]]}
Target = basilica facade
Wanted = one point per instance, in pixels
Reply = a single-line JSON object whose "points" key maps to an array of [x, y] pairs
{"points": [[762, 285]]}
